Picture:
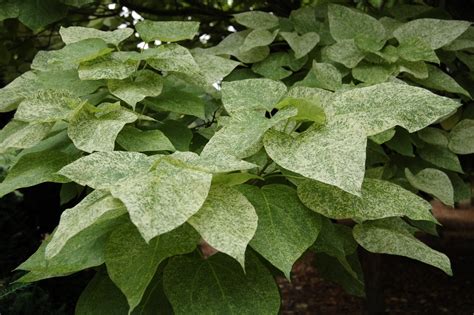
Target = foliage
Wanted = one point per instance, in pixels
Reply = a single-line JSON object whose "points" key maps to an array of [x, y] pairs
{"points": [[256, 145]]}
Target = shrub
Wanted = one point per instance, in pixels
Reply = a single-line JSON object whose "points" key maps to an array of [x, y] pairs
{"points": [[257, 146]]}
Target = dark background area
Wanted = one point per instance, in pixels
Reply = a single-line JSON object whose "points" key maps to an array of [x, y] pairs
{"points": [[401, 285]]}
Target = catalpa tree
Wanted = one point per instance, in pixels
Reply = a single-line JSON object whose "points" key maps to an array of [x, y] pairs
{"points": [[257, 146]]}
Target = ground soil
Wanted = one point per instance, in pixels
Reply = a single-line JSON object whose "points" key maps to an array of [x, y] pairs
{"points": [[408, 287]]}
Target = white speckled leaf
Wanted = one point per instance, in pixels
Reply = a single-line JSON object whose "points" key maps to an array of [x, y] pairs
{"points": [[346, 23], [172, 57], [433, 182], [21, 135], [132, 263], [286, 228], [417, 49], [441, 157], [213, 163], [36, 168], [332, 154], [392, 236], [145, 83], [257, 20], [111, 66], [167, 31], [231, 46], [465, 41], [250, 94], [47, 106], [386, 105], [441, 81], [379, 199], [133, 139], [95, 208], [101, 170], [95, 129], [327, 76], [70, 56], [257, 38], [77, 33], [218, 285], [303, 44], [163, 199], [436, 33], [227, 221], [461, 137], [215, 68], [242, 136], [345, 52]]}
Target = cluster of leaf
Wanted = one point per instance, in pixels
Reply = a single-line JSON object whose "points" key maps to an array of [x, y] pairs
{"points": [[256, 146]]}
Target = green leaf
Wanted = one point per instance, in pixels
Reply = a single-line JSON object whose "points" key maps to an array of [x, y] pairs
{"points": [[401, 143], [436, 33], [461, 137], [163, 199], [99, 206], [418, 69], [95, 129], [84, 250], [332, 154], [111, 66], [257, 20], [133, 139], [180, 102], [304, 19], [392, 236], [132, 263], [441, 81], [286, 228], [257, 38], [379, 199], [434, 136], [465, 41], [227, 221], [36, 168], [167, 31], [346, 23], [433, 182], [331, 269], [178, 133], [145, 83], [101, 170], [386, 105], [417, 49], [47, 106], [101, 296], [218, 285], [260, 94], [20, 135], [441, 157], [37, 14], [66, 80], [308, 109], [274, 66], [336, 240], [383, 136], [242, 136], [75, 34], [372, 73], [301, 45], [344, 52], [70, 56]]}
